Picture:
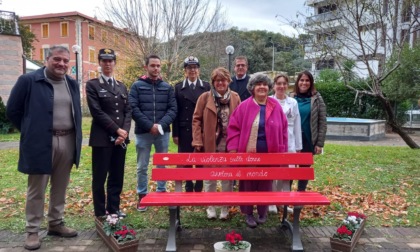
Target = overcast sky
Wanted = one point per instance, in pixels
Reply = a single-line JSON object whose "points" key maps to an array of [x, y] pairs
{"points": [[249, 15]]}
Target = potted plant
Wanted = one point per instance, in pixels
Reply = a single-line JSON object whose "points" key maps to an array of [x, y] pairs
{"points": [[117, 235], [233, 242], [348, 233]]}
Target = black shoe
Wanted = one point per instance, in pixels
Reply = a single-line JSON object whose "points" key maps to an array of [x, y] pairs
{"points": [[120, 214]]}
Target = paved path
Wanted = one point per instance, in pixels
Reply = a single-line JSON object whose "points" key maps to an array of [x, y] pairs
{"points": [[201, 240]]}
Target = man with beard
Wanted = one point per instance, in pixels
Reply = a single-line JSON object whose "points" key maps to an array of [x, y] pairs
{"points": [[154, 108]]}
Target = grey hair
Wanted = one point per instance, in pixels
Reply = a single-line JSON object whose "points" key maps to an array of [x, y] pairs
{"points": [[258, 78], [59, 48]]}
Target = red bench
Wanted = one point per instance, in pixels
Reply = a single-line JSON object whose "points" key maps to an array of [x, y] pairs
{"points": [[233, 166]]}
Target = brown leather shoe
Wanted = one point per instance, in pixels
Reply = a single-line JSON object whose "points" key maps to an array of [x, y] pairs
{"points": [[32, 241], [61, 230]]}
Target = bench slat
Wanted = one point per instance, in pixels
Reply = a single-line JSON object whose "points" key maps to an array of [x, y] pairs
{"points": [[233, 198], [224, 159], [233, 173]]}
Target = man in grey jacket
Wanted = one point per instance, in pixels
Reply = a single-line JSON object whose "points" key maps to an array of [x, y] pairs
{"points": [[45, 107], [154, 108]]}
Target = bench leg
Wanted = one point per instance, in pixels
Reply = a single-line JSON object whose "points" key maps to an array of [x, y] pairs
{"points": [[296, 240], [173, 226]]}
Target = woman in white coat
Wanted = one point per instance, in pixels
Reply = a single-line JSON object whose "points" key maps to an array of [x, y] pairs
{"points": [[291, 110]]}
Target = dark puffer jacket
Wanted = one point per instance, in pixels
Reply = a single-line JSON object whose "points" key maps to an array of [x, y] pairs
{"points": [[152, 102]]}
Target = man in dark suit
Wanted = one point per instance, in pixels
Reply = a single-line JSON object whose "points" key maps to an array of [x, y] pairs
{"points": [[111, 120], [241, 78], [186, 95], [44, 106]]}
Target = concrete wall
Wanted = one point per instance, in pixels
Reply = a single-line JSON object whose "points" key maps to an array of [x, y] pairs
{"points": [[11, 63]]}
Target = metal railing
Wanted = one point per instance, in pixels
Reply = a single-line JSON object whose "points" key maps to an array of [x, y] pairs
{"points": [[324, 17], [8, 23]]}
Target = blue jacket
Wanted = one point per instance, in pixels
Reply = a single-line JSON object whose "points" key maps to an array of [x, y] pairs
{"points": [[152, 103], [30, 109]]}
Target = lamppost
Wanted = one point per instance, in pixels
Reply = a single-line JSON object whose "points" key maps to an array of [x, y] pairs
{"points": [[229, 51], [272, 64], [76, 51]]}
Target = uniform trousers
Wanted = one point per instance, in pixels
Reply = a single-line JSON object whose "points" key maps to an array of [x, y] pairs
{"points": [[107, 162], [63, 148]]}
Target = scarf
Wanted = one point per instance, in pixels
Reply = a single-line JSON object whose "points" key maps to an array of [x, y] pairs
{"points": [[220, 100]]}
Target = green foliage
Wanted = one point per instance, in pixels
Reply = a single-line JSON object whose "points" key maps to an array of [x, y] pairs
{"points": [[28, 39], [5, 125], [343, 102], [328, 76], [257, 47], [404, 82]]}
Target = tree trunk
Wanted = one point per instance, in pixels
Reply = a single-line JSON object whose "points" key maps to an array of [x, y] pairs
{"points": [[394, 125]]}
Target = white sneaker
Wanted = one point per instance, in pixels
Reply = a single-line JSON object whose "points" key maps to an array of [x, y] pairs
{"points": [[211, 212], [224, 212], [272, 209]]}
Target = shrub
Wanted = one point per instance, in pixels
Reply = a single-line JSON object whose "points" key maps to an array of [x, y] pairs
{"points": [[5, 125]]}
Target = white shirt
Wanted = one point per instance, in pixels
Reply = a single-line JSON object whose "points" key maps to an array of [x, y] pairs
{"points": [[291, 110]]}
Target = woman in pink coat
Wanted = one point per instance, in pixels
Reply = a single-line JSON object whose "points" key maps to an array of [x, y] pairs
{"points": [[257, 125]]}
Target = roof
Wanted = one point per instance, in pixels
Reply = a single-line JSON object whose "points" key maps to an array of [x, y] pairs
{"points": [[31, 65], [71, 14]]}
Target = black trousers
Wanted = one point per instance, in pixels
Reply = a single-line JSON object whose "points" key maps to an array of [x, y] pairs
{"points": [[107, 165]]}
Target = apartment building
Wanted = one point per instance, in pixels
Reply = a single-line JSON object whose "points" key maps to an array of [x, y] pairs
{"points": [[88, 33], [359, 30]]}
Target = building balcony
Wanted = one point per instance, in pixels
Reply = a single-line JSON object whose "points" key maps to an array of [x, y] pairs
{"points": [[322, 18], [314, 2], [326, 45], [8, 23]]}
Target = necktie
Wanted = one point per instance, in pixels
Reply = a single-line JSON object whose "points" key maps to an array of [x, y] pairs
{"points": [[192, 85], [111, 83]]}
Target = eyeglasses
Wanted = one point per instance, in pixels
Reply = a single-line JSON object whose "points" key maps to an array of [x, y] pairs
{"points": [[240, 65]]}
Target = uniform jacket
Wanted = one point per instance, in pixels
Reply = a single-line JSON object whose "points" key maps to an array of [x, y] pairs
{"points": [[240, 124], [30, 109], [152, 103], [235, 84], [291, 110], [109, 109], [318, 120], [186, 99], [205, 120]]}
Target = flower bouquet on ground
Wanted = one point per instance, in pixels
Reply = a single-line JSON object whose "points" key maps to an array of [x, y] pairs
{"points": [[348, 233], [234, 242], [117, 235]]}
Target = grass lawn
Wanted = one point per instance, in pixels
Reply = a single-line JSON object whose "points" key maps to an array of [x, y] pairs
{"points": [[13, 137], [382, 182]]}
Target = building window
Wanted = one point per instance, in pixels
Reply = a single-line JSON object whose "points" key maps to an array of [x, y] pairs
{"points": [[91, 32], [45, 30], [406, 11], [325, 64], [64, 29], [92, 74], [92, 55], [327, 8], [405, 36], [330, 36], [116, 39], [104, 36], [416, 34], [43, 53]]}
